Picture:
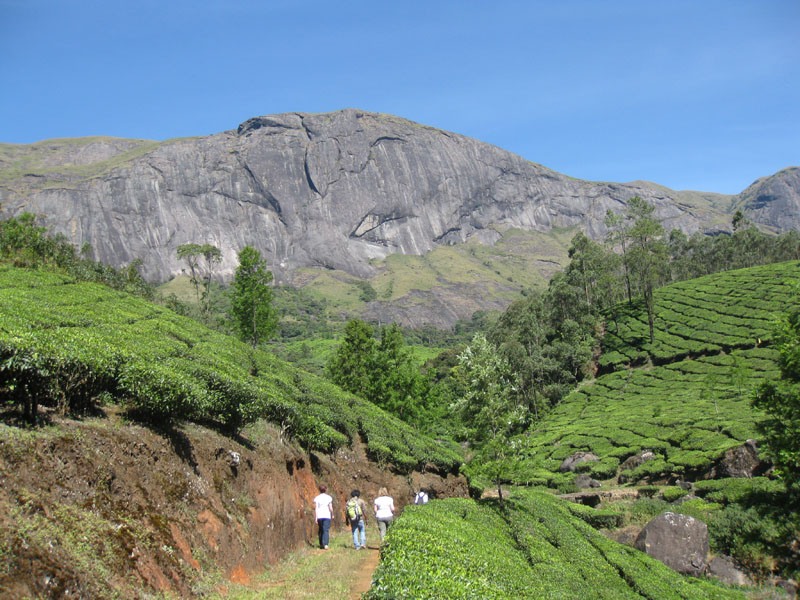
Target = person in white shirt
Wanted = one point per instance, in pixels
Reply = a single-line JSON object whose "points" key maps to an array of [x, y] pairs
{"points": [[323, 512], [384, 511]]}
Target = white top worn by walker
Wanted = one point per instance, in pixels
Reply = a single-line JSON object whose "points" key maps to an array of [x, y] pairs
{"points": [[322, 506], [384, 507]]}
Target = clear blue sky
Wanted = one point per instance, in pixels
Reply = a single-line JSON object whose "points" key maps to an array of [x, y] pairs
{"points": [[691, 94]]}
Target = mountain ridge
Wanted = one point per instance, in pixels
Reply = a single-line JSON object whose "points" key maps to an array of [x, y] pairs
{"points": [[336, 192]]}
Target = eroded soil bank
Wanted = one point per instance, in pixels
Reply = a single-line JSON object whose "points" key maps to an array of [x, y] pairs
{"points": [[101, 506]]}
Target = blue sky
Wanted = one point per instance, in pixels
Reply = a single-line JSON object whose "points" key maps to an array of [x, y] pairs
{"points": [[691, 94]]}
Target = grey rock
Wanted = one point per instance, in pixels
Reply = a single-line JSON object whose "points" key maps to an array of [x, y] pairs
{"points": [[333, 191], [678, 541], [773, 201], [725, 570], [741, 461], [571, 463], [584, 481], [637, 460]]}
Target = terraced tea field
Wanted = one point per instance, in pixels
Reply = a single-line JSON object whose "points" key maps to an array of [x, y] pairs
{"points": [[685, 397]]}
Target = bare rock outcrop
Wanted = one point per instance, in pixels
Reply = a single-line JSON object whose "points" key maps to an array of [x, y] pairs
{"points": [[679, 541], [337, 191]]}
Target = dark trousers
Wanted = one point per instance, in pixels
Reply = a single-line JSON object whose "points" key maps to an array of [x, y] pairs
{"points": [[324, 531]]}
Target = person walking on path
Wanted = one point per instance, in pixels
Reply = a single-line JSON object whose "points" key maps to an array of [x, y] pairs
{"points": [[384, 511], [356, 511], [323, 512]]}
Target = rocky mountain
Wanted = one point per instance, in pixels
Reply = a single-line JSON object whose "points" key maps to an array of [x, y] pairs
{"points": [[343, 195], [774, 202]]}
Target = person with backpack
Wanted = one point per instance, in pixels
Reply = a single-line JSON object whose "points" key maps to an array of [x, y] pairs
{"points": [[356, 511], [384, 511], [421, 497]]}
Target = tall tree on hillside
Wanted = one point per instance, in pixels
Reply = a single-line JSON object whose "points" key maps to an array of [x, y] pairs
{"points": [[648, 254], [201, 258], [588, 284], [488, 406], [396, 383], [351, 366], [617, 239], [252, 311]]}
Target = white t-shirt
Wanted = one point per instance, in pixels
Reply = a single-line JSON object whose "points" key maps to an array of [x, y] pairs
{"points": [[322, 506], [384, 507]]}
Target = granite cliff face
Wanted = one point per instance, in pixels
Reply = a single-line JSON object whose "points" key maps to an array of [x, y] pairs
{"points": [[340, 191], [774, 202]]}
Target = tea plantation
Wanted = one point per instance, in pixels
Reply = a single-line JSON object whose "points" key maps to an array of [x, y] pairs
{"points": [[72, 346], [685, 397], [536, 548]]}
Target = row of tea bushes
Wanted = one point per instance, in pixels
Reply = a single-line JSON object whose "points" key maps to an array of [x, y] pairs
{"points": [[732, 309], [686, 397], [534, 548]]}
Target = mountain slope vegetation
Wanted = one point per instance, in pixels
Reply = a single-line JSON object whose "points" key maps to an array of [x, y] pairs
{"points": [[535, 548], [686, 396], [73, 345]]}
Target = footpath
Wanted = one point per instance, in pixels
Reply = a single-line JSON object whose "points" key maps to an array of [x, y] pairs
{"points": [[339, 573]]}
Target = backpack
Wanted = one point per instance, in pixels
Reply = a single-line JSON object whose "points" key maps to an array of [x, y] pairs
{"points": [[354, 513]]}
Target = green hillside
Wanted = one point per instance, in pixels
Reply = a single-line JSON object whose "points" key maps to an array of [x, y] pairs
{"points": [[71, 346], [685, 397], [537, 548]]}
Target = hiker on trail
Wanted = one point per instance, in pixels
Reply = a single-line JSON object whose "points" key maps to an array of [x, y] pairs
{"points": [[384, 511], [421, 497], [356, 511], [323, 512]]}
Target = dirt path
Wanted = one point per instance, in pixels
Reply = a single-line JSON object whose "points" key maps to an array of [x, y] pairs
{"points": [[363, 581], [340, 573]]}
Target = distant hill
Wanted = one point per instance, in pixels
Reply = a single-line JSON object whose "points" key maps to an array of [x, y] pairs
{"points": [[438, 224]]}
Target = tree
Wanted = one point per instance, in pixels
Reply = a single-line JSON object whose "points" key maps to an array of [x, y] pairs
{"points": [[201, 273], [647, 255], [351, 365], [780, 400], [252, 311], [488, 406], [396, 383]]}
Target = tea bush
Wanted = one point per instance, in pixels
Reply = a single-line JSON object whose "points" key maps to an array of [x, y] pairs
{"points": [[68, 344], [533, 547]]}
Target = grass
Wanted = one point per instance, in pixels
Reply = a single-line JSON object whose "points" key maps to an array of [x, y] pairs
{"points": [[306, 573]]}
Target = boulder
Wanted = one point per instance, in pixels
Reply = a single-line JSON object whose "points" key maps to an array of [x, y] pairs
{"points": [[571, 463], [583, 481], [741, 461], [725, 570], [678, 541], [637, 460]]}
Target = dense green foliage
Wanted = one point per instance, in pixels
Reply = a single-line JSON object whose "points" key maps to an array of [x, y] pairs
{"points": [[74, 345], [381, 370], [534, 548], [25, 244], [780, 399], [251, 298], [488, 407], [687, 400]]}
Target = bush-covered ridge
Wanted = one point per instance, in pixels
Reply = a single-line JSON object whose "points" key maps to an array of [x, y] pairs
{"points": [[73, 345], [536, 549], [688, 400]]}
